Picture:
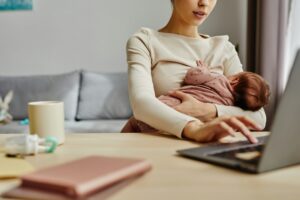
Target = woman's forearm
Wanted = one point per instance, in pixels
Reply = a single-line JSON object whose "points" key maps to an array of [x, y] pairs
{"points": [[209, 112], [206, 112], [259, 117]]}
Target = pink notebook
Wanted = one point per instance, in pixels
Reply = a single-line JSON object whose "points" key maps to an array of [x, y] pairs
{"points": [[85, 176]]}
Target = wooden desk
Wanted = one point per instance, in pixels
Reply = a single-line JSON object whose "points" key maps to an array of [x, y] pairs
{"points": [[172, 177]]}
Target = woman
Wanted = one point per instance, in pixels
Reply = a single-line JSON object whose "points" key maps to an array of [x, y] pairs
{"points": [[158, 62]]}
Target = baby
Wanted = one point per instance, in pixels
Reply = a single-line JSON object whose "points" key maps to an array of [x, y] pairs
{"points": [[246, 90]]}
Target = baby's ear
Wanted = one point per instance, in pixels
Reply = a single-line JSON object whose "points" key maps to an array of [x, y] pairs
{"points": [[8, 97]]}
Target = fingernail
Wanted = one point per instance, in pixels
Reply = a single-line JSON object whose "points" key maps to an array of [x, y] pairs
{"points": [[255, 140]]}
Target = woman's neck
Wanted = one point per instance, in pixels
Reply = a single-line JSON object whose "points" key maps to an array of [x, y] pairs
{"points": [[178, 26]]}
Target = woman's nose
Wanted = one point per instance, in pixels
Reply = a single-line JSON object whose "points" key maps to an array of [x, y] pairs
{"points": [[203, 2]]}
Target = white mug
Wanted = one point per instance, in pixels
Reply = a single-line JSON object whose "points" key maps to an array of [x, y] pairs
{"points": [[46, 118]]}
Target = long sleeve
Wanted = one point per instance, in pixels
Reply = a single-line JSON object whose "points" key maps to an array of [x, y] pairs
{"points": [[258, 116], [232, 65], [146, 107]]}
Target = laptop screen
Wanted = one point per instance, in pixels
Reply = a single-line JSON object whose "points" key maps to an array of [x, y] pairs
{"points": [[282, 147]]}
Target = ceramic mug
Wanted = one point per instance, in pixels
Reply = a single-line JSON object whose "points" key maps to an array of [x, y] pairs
{"points": [[46, 118]]}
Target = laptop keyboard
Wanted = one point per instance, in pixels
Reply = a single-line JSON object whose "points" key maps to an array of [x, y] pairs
{"points": [[250, 154]]}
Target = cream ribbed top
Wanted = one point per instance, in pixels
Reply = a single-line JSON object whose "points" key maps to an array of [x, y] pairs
{"points": [[158, 62]]}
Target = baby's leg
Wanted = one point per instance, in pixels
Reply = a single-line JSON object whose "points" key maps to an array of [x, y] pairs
{"points": [[145, 128], [131, 126], [168, 100], [136, 126]]}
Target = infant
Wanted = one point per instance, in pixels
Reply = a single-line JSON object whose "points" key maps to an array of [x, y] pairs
{"points": [[246, 90]]}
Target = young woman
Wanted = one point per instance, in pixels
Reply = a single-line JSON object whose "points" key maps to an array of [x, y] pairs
{"points": [[158, 62]]}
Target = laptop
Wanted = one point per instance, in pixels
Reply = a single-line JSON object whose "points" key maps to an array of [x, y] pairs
{"points": [[278, 150]]}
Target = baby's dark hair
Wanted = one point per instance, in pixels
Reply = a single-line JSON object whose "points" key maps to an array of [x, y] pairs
{"points": [[251, 91]]}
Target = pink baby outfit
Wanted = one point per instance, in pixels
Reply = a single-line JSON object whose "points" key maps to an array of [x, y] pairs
{"points": [[203, 85]]}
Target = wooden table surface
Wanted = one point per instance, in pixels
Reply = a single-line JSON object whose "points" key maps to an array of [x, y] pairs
{"points": [[172, 177]]}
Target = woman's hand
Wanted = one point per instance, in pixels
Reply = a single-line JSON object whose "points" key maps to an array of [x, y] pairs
{"points": [[192, 107], [219, 128]]}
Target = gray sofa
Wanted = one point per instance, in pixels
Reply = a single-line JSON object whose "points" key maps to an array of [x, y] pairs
{"points": [[93, 102]]}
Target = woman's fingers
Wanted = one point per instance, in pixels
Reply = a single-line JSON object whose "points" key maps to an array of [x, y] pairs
{"points": [[214, 130], [227, 128], [221, 127], [250, 123], [240, 126]]}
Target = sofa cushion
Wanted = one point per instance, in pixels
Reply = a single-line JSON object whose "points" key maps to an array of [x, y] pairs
{"points": [[95, 126], [86, 126], [62, 87], [103, 96]]}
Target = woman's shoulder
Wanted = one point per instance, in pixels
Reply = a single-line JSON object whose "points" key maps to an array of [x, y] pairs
{"points": [[145, 36], [142, 32], [141, 35], [145, 32], [139, 38], [222, 40], [217, 38]]}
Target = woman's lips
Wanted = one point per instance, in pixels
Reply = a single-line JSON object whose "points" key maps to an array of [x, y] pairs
{"points": [[199, 14]]}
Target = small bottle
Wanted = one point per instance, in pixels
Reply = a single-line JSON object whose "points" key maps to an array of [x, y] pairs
{"points": [[29, 145]]}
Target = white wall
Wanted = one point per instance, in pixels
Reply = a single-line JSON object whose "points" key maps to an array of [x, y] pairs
{"points": [[293, 36], [230, 18], [63, 35]]}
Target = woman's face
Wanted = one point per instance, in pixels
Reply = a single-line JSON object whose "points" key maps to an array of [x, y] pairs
{"points": [[193, 12]]}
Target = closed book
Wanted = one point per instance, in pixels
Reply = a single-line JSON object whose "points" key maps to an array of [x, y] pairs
{"points": [[85, 176]]}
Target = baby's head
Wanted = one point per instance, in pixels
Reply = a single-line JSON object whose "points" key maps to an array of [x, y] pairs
{"points": [[251, 92]]}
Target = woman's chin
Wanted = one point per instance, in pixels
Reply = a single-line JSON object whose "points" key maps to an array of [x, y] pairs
{"points": [[197, 23]]}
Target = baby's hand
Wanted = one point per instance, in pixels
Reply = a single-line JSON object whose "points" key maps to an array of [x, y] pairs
{"points": [[201, 64], [197, 75]]}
